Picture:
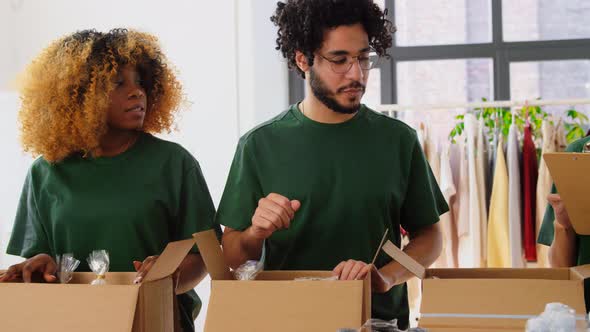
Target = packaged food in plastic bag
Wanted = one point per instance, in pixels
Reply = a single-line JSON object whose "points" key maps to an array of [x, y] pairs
{"points": [[98, 261], [557, 317], [66, 265], [248, 270], [379, 325]]}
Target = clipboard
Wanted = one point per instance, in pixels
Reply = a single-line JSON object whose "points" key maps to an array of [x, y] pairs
{"points": [[571, 175]]}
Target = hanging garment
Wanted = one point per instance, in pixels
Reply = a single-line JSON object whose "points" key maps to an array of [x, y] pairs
{"points": [[560, 137], [544, 182], [462, 221], [421, 132], [493, 145], [480, 164], [447, 187], [529, 186], [455, 157], [488, 163], [432, 154], [514, 197], [498, 238], [470, 250]]}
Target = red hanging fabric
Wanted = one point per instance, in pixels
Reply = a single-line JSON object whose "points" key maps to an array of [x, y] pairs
{"points": [[529, 188]]}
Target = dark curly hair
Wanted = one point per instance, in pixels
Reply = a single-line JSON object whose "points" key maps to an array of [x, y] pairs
{"points": [[302, 24], [65, 90]]}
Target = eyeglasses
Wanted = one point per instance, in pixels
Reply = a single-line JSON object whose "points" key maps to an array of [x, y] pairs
{"points": [[342, 64]]}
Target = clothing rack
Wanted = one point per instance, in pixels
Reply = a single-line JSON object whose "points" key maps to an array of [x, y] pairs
{"points": [[391, 108]]}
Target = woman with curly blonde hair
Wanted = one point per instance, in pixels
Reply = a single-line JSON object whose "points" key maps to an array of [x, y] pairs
{"points": [[90, 104]]}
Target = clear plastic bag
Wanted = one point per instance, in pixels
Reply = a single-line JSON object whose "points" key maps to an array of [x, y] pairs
{"points": [[248, 270], [66, 265], [379, 325], [557, 317], [98, 261]]}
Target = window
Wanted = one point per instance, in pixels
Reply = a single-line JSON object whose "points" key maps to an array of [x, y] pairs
{"points": [[493, 40], [430, 81], [545, 20], [551, 80], [444, 23]]}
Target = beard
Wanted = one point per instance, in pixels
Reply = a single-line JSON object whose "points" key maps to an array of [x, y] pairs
{"points": [[327, 97]]}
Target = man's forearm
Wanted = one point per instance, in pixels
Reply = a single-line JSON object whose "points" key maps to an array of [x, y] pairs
{"points": [[240, 246]]}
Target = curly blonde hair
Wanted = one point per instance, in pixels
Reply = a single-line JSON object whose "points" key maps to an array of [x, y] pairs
{"points": [[65, 90]]}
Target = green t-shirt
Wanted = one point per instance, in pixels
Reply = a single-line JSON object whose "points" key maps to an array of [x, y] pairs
{"points": [[132, 205], [547, 230], [354, 180]]}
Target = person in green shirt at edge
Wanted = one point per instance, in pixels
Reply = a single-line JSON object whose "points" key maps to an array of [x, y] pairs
{"points": [[89, 105], [322, 181], [566, 248]]}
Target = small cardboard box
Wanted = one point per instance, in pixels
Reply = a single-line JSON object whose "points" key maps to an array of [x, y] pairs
{"points": [[275, 302], [120, 306], [491, 299], [570, 172]]}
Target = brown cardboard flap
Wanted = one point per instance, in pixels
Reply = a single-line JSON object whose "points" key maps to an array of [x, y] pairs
{"points": [[56, 307], [286, 306], [404, 259], [170, 259], [155, 310], [580, 272], [212, 255], [367, 298], [570, 172]]}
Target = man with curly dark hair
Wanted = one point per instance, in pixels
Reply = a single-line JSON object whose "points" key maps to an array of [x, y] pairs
{"points": [[90, 103], [322, 182]]}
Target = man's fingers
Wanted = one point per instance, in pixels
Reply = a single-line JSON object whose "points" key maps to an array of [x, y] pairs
{"points": [[338, 269], [283, 202], [277, 210], [137, 265]]}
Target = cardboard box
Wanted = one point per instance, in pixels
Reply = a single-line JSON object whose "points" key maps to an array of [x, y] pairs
{"points": [[275, 302], [79, 306], [570, 172], [491, 299]]}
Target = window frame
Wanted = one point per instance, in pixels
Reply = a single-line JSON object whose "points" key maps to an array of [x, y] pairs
{"points": [[501, 52]]}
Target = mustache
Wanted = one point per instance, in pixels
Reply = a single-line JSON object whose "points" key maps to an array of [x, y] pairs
{"points": [[353, 85]]}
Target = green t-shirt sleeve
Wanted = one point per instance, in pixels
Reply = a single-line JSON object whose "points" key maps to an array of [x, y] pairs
{"points": [[242, 190], [547, 228], [196, 211], [29, 236], [423, 202]]}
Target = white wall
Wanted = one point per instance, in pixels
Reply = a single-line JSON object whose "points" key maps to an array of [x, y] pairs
{"points": [[223, 50], [262, 71]]}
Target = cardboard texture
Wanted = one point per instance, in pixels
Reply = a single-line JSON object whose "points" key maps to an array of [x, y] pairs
{"points": [[275, 302], [119, 306], [570, 174], [493, 299]]}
